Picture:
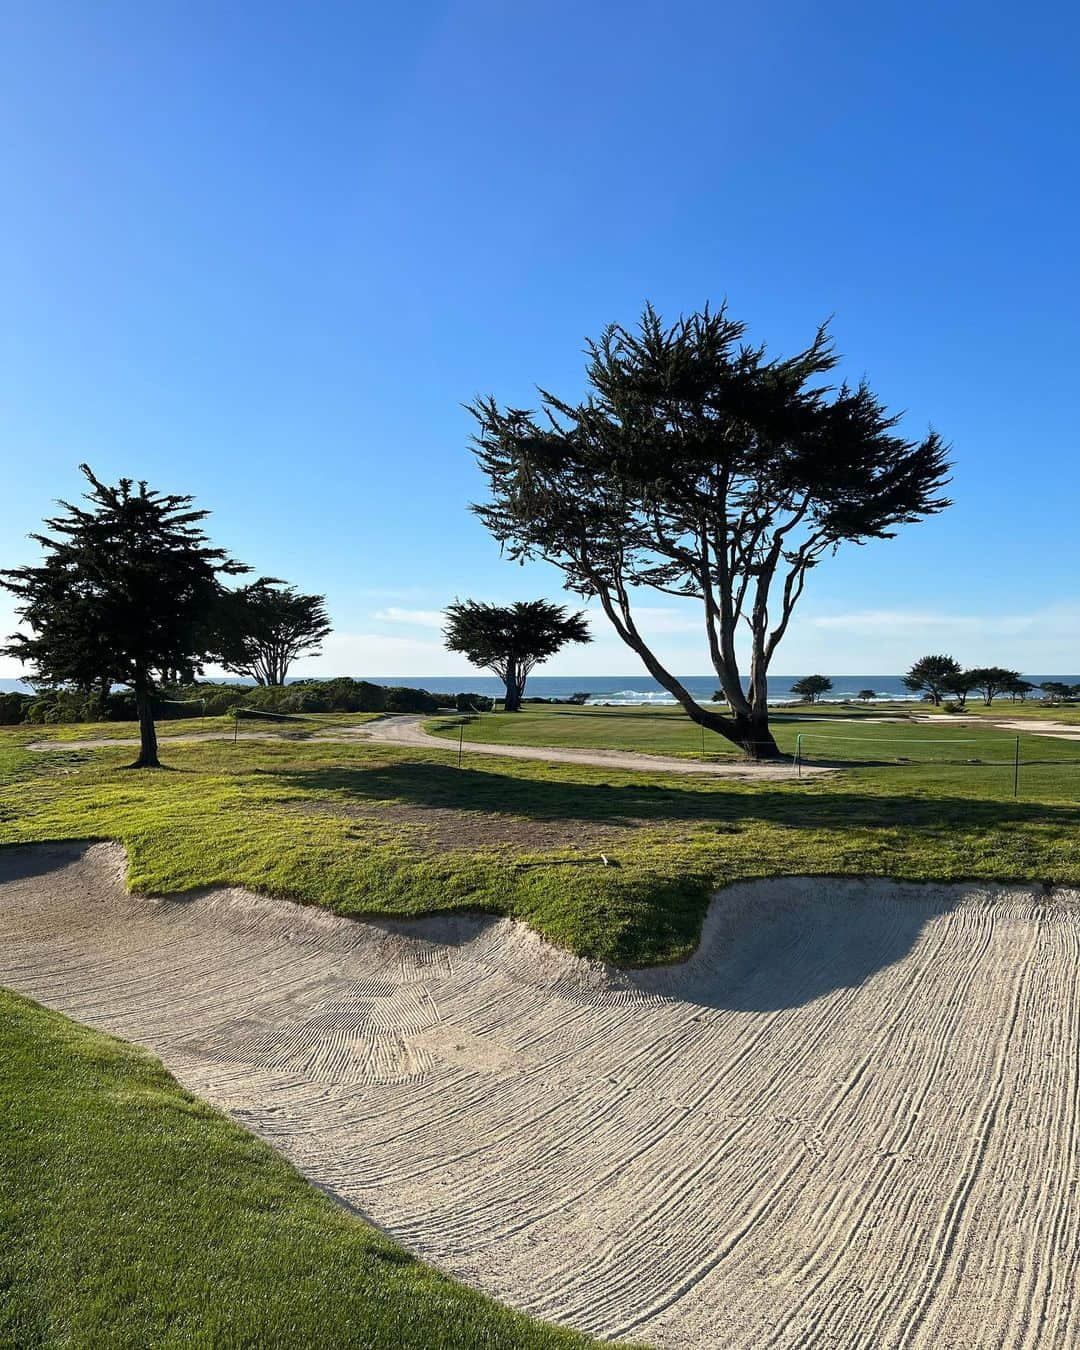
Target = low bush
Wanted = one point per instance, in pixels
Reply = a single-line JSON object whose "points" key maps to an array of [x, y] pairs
{"points": [[403, 700], [13, 708], [472, 702]]}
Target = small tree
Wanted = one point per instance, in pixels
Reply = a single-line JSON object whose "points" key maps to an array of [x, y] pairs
{"points": [[930, 676], [699, 467], [1019, 688], [511, 639], [126, 590], [866, 695], [265, 626], [958, 686], [991, 681], [1055, 690], [811, 687]]}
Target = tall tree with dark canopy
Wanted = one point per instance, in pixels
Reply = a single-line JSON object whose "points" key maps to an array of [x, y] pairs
{"points": [[958, 686], [511, 640], [696, 466], [263, 628], [991, 681], [811, 687], [935, 675], [126, 590]]}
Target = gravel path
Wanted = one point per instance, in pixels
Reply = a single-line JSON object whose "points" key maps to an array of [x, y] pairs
{"points": [[408, 729], [852, 1120]]}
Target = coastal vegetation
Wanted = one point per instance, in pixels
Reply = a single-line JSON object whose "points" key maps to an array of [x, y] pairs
{"points": [[698, 466], [511, 640]]}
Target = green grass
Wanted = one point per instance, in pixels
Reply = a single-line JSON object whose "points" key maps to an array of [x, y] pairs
{"points": [[838, 736], [297, 725], [1068, 713], [365, 829], [133, 1215]]}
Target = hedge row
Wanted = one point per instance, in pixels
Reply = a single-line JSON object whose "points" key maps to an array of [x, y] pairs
{"points": [[213, 700]]}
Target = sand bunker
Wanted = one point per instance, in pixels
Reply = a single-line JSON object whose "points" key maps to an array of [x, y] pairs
{"points": [[851, 1120]]}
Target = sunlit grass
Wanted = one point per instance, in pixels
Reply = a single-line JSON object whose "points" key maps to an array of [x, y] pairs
{"points": [[364, 829]]}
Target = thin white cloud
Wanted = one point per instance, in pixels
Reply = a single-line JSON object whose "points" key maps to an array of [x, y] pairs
{"points": [[893, 623], [417, 618]]}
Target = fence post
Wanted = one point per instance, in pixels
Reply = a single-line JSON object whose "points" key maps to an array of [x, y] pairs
{"points": [[460, 742], [703, 741], [798, 754], [1016, 769]]}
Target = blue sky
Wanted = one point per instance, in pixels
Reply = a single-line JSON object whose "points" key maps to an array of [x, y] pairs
{"points": [[263, 254]]}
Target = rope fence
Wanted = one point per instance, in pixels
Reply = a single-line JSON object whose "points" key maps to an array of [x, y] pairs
{"points": [[1001, 752]]}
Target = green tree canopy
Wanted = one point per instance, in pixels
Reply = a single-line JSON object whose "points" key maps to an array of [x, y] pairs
{"points": [[959, 685], [698, 466], [811, 687], [1019, 688], [511, 640], [262, 628], [931, 675], [992, 680], [126, 590]]}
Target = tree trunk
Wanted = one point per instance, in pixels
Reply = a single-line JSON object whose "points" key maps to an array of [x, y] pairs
{"points": [[749, 728], [515, 686], [148, 755], [753, 734]]}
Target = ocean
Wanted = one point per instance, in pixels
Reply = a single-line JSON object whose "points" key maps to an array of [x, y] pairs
{"points": [[636, 689]]}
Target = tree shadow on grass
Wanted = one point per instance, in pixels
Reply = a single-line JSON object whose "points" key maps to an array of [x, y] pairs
{"points": [[440, 785]]}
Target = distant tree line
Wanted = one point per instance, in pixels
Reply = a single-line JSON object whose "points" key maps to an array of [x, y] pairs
{"points": [[130, 592], [942, 677]]}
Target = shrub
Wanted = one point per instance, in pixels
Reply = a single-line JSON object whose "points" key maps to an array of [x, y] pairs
{"points": [[13, 708], [219, 698], [402, 700], [343, 694], [472, 702]]}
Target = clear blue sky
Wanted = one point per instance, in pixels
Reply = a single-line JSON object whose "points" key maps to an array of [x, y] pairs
{"points": [[262, 253]]}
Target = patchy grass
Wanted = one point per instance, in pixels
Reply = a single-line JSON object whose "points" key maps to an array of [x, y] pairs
{"points": [[132, 1215], [368, 829]]}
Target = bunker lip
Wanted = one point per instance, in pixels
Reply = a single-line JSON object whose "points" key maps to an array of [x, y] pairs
{"points": [[849, 1085]]}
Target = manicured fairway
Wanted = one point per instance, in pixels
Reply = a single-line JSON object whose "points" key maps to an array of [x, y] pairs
{"points": [[850, 737]]}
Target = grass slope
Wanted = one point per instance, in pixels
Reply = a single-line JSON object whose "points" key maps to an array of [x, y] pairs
{"points": [[131, 1214], [368, 829]]}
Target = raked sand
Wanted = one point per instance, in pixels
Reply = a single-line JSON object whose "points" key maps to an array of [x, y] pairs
{"points": [[851, 1120]]}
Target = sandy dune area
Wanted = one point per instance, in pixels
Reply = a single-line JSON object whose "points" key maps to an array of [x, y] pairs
{"points": [[852, 1120]]}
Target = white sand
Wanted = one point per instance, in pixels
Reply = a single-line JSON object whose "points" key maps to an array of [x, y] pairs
{"points": [[852, 1120]]}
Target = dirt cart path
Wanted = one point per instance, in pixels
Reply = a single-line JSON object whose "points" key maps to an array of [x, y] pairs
{"points": [[408, 729], [851, 1121]]}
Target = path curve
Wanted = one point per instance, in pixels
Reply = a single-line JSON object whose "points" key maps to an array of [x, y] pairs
{"points": [[407, 729], [851, 1120]]}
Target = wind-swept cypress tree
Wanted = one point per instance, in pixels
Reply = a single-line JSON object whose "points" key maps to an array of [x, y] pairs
{"points": [[127, 589]]}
